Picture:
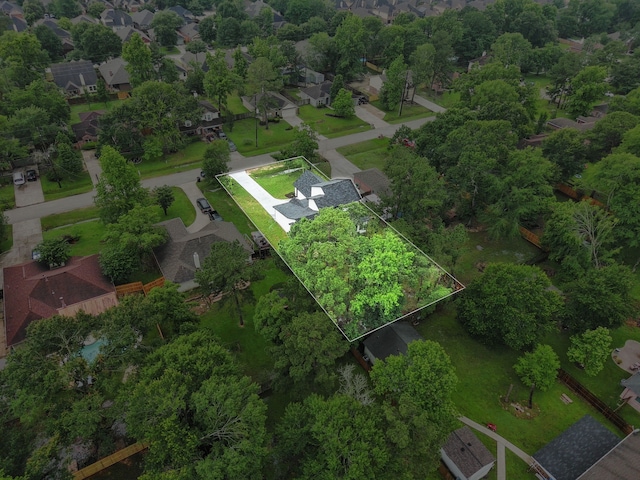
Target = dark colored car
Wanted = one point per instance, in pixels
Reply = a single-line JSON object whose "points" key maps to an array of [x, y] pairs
{"points": [[203, 205], [215, 216], [232, 146], [222, 135], [32, 175]]}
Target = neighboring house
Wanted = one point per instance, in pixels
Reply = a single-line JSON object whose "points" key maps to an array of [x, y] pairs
{"points": [[188, 32], [115, 19], [631, 392], [33, 292], [209, 121], [560, 123], [311, 76], [126, 33], [312, 194], [142, 19], [576, 449], [87, 129], [479, 62], [276, 102], [372, 184], [52, 25], [75, 78], [318, 95], [17, 24], [183, 13], [11, 9], [188, 60], [184, 252], [115, 75], [390, 340], [83, 18], [465, 456], [622, 462]]}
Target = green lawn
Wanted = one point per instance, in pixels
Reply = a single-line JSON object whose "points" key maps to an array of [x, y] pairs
{"points": [[169, 50], [7, 243], [368, 154], [181, 207], [90, 233], [244, 136], [188, 158], [226, 207], [68, 218], [409, 112], [278, 184], [446, 99], [89, 107], [234, 104], [328, 126], [76, 185], [7, 197]]}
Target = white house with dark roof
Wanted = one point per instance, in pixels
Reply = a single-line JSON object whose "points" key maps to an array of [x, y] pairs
{"points": [[75, 78], [312, 194], [465, 455]]}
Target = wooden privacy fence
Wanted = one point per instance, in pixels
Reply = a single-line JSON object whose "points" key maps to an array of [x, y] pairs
{"points": [[531, 237], [112, 459], [572, 193], [138, 287], [598, 404]]}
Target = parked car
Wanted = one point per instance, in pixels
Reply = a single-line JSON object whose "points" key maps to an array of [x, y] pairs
{"points": [[203, 205], [202, 174], [408, 143], [222, 135], [232, 146], [32, 175], [19, 178], [215, 216]]}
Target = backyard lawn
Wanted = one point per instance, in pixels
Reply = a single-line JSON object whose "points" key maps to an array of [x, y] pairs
{"points": [[90, 107], [331, 127], [409, 112], [74, 185], [368, 154], [234, 104], [244, 136]]}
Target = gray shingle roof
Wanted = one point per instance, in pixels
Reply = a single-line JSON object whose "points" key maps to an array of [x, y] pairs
{"points": [[318, 91], [70, 74], [623, 462], [114, 72], [306, 181], [372, 180], [391, 340], [142, 18], [576, 449], [468, 453], [296, 209], [632, 383], [337, 192]]}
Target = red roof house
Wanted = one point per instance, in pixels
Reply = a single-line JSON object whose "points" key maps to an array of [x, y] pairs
{"points": [[32, 291]]}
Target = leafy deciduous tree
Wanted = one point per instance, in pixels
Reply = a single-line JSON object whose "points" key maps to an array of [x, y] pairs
{"points": [[538, 369], [591, 350]]}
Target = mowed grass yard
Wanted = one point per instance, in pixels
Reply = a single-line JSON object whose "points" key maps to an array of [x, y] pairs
{"points": [[188, 158], [368, 154], [271, 140], [278, 184], [409, 112], [328, 126], [73, 185], [90, 107]]}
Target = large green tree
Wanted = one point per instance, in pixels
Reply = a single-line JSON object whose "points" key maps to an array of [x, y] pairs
{"points": [[538, 369], [509, 304], [262, 78], [138, 58], [393, 89], [23, 56], [164, 26], [566, 149], [585, 89], [219, 81], [591, 350], [215, 159], [349, 44]]}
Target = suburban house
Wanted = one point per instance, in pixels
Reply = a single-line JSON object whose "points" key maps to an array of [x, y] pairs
{"points": [[277, 103], [189, 60], [183, 252], [126, 33], [88, 128], [75, 78], [209, 120], [631, 392], [465, 456], [33, 291], [560, 123], [83, 18], [619, 462], [17, 24], [313, 193], [377, 81], [183, 13], [115, 75], [576, 449], [11, 9], [187, 33], [142, 19], [318, 95], [372, 184], [311, 76], [115, 19], [390, 340]]}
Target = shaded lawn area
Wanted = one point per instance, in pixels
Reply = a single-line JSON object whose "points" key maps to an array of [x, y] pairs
{"points": [[7, 197], [485, 374], [90, 107], [409, 112], [247, 345], [229, 210], [234, 104], [278, 184], [446, 99], [244, 136], [368, 154], [188, 158], [7, 243], [74, 185], [331, 127]]}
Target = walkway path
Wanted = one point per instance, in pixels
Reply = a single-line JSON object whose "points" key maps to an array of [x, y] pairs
{"points": [[428, 104], [263, 197], [92, 164], [371, 115], [502, 443]]}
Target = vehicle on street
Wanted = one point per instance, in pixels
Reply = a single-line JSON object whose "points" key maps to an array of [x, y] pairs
{"points": [[32, 175], [232, 146], [215, 216], [203, 205]]}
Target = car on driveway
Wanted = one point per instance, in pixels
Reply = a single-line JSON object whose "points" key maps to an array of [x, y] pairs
{"points": [[203, 205], [215, 216], [232, 146], [32, 175], [222, 135]]}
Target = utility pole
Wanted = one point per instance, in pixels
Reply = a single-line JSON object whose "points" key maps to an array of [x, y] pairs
{"points": [[404, 87], [255, 114]]}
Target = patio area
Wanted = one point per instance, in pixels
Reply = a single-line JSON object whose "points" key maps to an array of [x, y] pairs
{"points": [[628, 356]]}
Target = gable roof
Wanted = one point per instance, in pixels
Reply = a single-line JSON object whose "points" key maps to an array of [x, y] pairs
{"points": [[52, 25], [622, 462], [336, 192], [275, 98], [83, 18], [189, 30], [632, 383], [71, 75], [296, 209], [89, 124], [181, 12], [322, 90], [176, 256], [114, 72], [306, 181], [17, 24], [32, 291], [126, 33], [372, 180], [115, 18], [576, 449], [391, 340], [142, 18], [468, 453]]}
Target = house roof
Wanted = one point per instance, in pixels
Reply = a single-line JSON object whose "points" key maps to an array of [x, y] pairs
{"points": [[322, 90], [208, 107], [306, 181], [632, 383], [336, 192], [468, 453], [198, 58], [391, 340], [52, 25], [181, 12], [373, 180], [296, 209], [114, 72], [568, 123], [142, 18], [89, 124], [622, 462], [75, 74], [83, 18], [176, 256], [115, 18], [32, 291], [11, 9], [190, 30], [126, 33], [278, 100], [576, 449], [17, 24]]}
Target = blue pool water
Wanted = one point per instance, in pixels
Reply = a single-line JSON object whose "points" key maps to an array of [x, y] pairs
{"points": [[90, 352]]}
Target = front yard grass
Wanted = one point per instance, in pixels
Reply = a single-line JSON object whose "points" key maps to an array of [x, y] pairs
{"points": [[181, 207], [7, 243], [68, 218], [90, 235], [446, 99], [188, 158], [244, 136], [278, 184], [73, 185], [331, 127], [90, 107], [229, 210], [7, 197], [235, 105], [368, 154], [409, 112]]}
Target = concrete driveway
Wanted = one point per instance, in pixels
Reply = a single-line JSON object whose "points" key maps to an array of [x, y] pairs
{"points": [[29, 193]]}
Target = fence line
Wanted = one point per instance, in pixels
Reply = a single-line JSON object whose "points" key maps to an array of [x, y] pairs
{"points": [[598, 404], [112, 459], [138, 287], [531, 237]]}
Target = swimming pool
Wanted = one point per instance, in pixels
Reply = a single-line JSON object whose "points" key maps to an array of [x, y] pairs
{"points": [[90, 352]]}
